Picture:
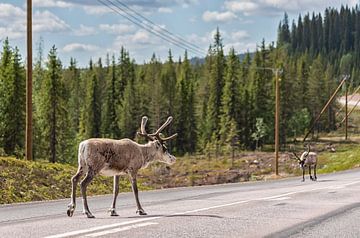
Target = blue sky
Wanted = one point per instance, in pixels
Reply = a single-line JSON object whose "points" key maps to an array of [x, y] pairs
{"points": [[86, 29]]}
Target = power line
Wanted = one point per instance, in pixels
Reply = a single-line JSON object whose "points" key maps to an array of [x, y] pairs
{"points": [[156, 28], [116, 9], [147, 21]]}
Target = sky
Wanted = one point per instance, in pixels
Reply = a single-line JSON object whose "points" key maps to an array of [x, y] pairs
{"points": [[89, 29]]}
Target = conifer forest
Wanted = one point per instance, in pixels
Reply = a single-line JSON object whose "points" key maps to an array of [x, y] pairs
{"points": [[218, 104]]}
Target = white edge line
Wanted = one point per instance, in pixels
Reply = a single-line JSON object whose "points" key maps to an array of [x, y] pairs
{"points": [[78, 232], [125, 228]]}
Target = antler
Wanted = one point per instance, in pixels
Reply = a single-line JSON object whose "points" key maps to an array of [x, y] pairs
{"points": [[157, 133], [143, 132], [293, 151], [308, 151]]}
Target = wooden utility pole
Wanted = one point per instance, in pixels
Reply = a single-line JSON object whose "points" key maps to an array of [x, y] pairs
{"points": [[28, 133], [346, 111], [277, 115]]}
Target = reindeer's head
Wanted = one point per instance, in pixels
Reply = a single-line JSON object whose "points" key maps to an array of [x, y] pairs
{"points": [[162, 154], [303, 156]]}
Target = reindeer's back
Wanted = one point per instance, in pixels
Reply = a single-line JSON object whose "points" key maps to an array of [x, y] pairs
{"points": [[311, 158], [110, 155]]}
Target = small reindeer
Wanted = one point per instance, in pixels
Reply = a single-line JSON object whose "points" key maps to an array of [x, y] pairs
{"points": [[115, 157], [307, 159]]}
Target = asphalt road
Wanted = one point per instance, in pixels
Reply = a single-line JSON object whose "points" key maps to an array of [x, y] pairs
{"points": [[329, 207]]}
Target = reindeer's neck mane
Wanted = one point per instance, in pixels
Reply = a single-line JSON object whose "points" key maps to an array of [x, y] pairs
{"points": [[149, 152]]}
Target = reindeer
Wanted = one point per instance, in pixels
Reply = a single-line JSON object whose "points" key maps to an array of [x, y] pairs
{"points": [[115, 157], [307, 159]]}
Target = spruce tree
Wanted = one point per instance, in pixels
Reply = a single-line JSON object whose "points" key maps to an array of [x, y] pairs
{"points": [[12, 101], [216, 84], [53, 111], [230, 102]]}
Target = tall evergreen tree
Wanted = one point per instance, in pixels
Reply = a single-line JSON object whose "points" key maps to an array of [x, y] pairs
{"points": [[110, 126], [12, 100], [185, 117], [90, 120], [230, 103], [53, 114], [216, 84]]}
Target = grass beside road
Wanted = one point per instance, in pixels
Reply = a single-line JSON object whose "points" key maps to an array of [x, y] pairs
{"points": [[347, 156], [24, 181]]}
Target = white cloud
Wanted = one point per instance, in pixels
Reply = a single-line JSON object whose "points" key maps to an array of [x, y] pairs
{"points": [[84, 30], [97, 10], [239, 35], [141, 37], [12, 21], [218, 16], [165, 10], [277, 7], [52, 3], [11, 33], [240, 47], [10, 12], [246, 7], [48, 22], [117, 29], [78, 47]]}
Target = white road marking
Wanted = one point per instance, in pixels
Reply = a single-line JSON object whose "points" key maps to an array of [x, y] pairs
{"points": [[98, 228], [280, 199], [125, 228]]}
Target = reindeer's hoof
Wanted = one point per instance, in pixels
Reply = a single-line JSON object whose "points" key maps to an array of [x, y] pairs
{"points": [[141, 212], [113, 212], [70, 210], [303, 180], [89, 215]]}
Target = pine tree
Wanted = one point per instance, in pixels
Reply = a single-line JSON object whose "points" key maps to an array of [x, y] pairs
{"points": [[12, 101], [110, 126], [53, 115], [128, 108], [90, 120], [216, 84], [284, 31], [230, 103], [185, 117]]}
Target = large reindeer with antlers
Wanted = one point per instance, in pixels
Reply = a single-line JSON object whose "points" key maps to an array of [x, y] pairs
{"points": [[115, 157], [307, 159]]}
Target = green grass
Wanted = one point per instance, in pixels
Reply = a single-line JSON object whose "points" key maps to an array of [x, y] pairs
{"points": [[24, 181], [347, 156]]}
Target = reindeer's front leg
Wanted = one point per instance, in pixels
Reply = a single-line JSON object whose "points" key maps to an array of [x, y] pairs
{"points": [[83, 185], [312, 179], [140, 210], [116, 192], [303, 169], [315, 178]]}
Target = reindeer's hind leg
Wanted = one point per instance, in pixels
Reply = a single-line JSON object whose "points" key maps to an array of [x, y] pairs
{"points": [[315, 178], [83, 185], [312, 179], [116, 192], [74, 181]]}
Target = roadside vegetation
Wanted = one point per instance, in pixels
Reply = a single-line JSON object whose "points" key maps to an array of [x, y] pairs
{"points": [[24, 181]]}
